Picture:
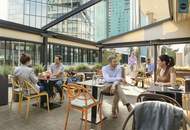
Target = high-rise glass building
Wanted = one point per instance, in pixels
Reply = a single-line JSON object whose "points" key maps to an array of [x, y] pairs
{"points": [[118, 17], [37, 13]]}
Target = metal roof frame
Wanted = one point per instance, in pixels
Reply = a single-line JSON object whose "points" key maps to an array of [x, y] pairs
{"points": [[183, 40], [70, 14], [28, 29]]}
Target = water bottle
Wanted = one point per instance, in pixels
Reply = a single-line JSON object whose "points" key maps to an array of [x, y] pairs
{"points": [[94, 79]]}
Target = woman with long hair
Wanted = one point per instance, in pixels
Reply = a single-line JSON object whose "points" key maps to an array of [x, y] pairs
{"points": [[166, 74]]}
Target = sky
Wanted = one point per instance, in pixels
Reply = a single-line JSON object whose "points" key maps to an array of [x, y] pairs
{"points": [[3, 9], [180, 47]]}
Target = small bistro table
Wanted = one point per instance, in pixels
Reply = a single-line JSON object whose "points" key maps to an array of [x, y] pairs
{"points": [[48, 82], [95, 86], [168, 91]]}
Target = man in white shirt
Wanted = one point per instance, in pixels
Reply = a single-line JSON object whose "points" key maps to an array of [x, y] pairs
{"points": [[112, 75], [57, 69]]}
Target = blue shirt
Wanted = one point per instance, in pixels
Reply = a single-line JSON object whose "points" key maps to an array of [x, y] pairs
{"points": [[150, 68], [110, 74]]}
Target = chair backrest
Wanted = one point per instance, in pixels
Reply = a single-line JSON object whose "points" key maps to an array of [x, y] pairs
{"points": [[152, 97], [156, 97], [180, 81], [75, 91], [28, 88], [15, 82], [152, 106], [186, 104]]}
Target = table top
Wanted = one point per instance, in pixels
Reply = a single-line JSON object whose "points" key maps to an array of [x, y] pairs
{"points": [[165, 89], [91, 83]]}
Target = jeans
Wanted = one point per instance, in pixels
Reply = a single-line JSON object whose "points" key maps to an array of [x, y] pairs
{"points": [[73, 79], [58, 85], [43, 86]]}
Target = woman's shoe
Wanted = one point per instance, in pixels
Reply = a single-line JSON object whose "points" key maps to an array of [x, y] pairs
{"points": [[114, 115]]}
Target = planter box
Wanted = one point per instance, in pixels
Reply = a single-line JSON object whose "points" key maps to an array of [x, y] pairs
{"points": [[3, 90]]}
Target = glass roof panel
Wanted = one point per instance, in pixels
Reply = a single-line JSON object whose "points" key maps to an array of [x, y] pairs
{"points": [[89, 24], [105, 19]]}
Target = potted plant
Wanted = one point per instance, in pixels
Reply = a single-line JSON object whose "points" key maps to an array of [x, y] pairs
{"points": [[97, 68], [39, 68], [5, 70]]}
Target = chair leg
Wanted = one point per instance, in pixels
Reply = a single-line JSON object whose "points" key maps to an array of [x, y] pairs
{"points": [[20, 103], [62, 98], [67, 117], [82, 115], [11, 103], [100, 100], [47, 102], [86, 116], [37, 101], [184, 125], [100, 113], [27, 108]]}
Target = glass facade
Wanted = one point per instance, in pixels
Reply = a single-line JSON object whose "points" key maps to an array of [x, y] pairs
{"points": [[37, 13], [127, 15], [118, 16], [10, 52], [80, 25], [73, 55]]}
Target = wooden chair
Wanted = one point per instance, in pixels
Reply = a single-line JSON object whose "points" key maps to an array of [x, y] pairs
{"points": [[154, 97], [30, 92], [80, 100], [180, 81], [16, 90], [186, 104], [80, 75]]}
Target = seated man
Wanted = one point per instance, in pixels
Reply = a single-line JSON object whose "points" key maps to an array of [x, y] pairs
{"points": [[149, 68], [112, 75], [56, 69]]}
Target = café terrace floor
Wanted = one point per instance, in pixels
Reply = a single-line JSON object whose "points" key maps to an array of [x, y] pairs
{"points": [[40, 119]]}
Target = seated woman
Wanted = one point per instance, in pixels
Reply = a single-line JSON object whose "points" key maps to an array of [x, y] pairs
{"points": [[166, 74], [25, 72], [73, 77]]}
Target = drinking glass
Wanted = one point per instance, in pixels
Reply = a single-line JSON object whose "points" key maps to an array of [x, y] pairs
{"points": [[162, 86]]}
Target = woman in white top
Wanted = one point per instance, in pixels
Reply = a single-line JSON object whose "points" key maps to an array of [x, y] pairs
{"points": [[27, 73]]}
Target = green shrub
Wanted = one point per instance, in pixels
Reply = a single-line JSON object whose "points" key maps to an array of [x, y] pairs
{"points": [[39, 68], [69, 68], [97, 66], [82, 68], [5, 70]]}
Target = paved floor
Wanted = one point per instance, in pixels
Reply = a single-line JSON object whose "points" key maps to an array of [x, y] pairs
{"points": [[40, 119]]}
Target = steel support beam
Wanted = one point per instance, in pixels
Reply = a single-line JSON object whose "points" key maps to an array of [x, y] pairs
{"points": [[100, 55], [70, 14], [45, 43], [155, 61]]}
